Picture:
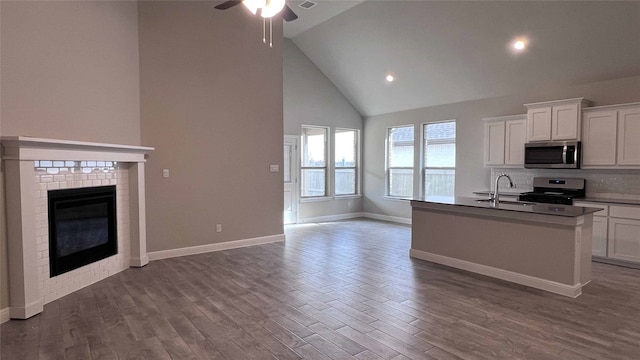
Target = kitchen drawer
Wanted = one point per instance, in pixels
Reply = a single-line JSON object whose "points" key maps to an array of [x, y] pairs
{"points": [[625, 212], [604, 212]]}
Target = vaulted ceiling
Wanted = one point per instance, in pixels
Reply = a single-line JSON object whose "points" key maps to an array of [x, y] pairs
{"points": [[444, 52]]}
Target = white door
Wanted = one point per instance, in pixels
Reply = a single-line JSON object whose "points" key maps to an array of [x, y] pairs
{"points": [[290, 179]]}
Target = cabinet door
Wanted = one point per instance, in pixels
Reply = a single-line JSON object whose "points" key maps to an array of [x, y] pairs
{"points": [[599, 138], [624, 239], [539, 124], [628, 136], [564, 122], [494, 143], [515, 137], [599, 236]]}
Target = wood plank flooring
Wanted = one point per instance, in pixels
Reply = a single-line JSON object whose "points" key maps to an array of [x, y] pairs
{"points": [[342, 290]]}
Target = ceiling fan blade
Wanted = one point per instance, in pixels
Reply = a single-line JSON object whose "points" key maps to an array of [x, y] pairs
{"points": [[227, 4], [288, 14]]}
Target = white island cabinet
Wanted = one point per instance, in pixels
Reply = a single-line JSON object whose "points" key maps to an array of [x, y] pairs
{"points": [[545, 246]]}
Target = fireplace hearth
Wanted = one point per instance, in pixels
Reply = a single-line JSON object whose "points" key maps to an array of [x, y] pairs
{"points": [[82, 227]]}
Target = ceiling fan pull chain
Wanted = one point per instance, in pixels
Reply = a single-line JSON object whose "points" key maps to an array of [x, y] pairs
{"points": [[264, 30], [270, 33]]}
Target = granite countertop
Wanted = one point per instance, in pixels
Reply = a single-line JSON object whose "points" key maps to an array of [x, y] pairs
{"points": [[531, 208]]}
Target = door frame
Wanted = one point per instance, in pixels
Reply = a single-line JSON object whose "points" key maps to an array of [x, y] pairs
{"points": [[295, 170]]}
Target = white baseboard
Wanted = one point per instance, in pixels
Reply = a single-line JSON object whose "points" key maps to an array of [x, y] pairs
{"points": [[4, 315], [396, 219], [337, 217], [328, 218], [201, 249], [534, 282]]}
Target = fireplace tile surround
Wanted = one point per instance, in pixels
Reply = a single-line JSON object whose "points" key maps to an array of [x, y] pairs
{"points": [[33, 166], [53, 288]]}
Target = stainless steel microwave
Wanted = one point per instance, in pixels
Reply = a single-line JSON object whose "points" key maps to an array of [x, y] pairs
{"points": [[552, 155]]}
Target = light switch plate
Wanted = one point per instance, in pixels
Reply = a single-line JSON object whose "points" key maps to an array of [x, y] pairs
{"points": [[165, 173], [274, 168]]}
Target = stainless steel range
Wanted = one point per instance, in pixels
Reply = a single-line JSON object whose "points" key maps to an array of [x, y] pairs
{"points": [[555, 190]]}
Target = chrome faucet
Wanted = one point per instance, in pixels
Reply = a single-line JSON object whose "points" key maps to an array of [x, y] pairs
{"points": [[495, 198]]}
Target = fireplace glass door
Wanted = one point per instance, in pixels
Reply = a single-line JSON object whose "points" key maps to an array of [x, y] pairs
{"points": [[82, 227]]}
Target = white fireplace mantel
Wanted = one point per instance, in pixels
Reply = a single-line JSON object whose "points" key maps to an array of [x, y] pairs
{"points": [[31, 148], [19, 154]]}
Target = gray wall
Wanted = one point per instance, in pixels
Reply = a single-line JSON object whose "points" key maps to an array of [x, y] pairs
{"points": [[69, 71], [211, 99], [311, 99], [471, 175]]}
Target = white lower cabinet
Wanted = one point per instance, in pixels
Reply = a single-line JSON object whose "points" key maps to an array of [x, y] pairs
{"points": [[616, 231], [624, 233]]}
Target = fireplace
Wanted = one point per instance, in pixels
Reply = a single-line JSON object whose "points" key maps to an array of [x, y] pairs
{"points": [[34, 169], [82, 227]]}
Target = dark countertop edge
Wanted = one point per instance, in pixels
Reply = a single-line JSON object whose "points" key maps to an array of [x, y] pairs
{"points": [[610, 201], [586, 199], [502, 193], [572, 211]]}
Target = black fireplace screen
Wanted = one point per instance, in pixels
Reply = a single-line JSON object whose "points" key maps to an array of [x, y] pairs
{"points": [[82, 227]]}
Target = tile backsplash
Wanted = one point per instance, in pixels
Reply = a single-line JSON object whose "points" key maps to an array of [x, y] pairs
{"points": [[613, 184]]}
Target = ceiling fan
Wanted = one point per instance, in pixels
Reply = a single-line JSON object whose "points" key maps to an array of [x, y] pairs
{"points": [[268, 8]]}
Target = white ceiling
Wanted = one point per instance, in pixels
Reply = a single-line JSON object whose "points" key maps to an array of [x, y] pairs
{"points": [[321, 12], [444, 52]]}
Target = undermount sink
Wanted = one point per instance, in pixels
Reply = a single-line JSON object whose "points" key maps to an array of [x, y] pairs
{"points": [[507, 202]]}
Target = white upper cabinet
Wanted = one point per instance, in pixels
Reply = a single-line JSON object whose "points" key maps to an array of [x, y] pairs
{"points": [[555, 120], [515, 137], [504, 140], [610, 136], [599, 134], [629, 136], [539, 124], [494, 143]]}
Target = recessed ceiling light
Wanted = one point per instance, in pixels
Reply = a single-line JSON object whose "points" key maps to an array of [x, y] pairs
{"points": [[519, 45], [389, 78]]}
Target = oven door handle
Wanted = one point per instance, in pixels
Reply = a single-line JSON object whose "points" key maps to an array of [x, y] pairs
{"points": [[564, 154]]}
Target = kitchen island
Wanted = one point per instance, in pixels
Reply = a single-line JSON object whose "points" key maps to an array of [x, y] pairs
{"points": [[545, 246]]}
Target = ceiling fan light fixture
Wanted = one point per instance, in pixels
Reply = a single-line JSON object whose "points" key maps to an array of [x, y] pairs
{"points": [[272, 8], [254, 5]]}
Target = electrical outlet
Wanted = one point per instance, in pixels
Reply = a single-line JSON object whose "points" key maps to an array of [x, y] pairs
{"points": [[165, 173], [218, 227]]}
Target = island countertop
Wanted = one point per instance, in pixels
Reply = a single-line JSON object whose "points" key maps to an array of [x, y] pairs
{"points": [[531, 208]]}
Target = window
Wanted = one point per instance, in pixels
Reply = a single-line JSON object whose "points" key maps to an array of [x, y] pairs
{"points": [[314, 162], [439, 158], [346, 162], [400, 161]]}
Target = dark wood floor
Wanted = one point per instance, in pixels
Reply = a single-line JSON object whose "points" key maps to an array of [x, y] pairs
{"points": [[344, 290]]}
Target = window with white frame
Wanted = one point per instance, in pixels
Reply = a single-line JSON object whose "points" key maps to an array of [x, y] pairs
{"points": [[313, 162], [439, 160], [346, 162], [399, 176]]}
